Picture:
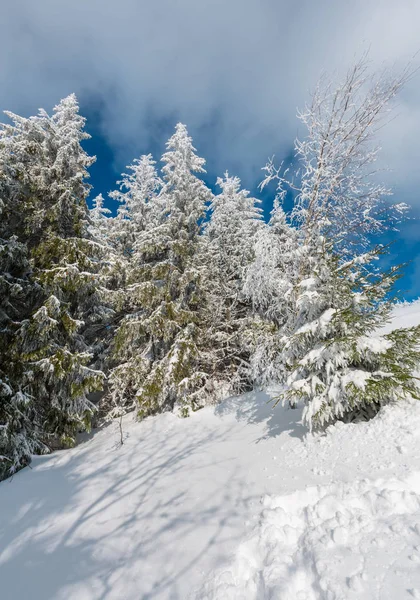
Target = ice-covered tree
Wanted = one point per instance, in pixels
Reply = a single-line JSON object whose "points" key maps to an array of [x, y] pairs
{"points": [[19, 423], [270, 276], [269, 287], [138, 197], [19, 426], [334, 179], [338, 296], [160, 343], [43, 193], [110, 278], [235, 218], [67, 258], [100, 220], [228, 249], [339, 364]]}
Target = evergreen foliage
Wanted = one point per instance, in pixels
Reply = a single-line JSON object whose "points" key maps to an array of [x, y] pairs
{"points": [[138, 197], [269, 284], [19, 426], [185, 297], [161, 341], [228, 250], [49, 264], [334, 292], [339, 364]]}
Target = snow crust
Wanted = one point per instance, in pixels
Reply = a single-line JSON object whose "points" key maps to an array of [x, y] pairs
{"points": [[235, 502]]}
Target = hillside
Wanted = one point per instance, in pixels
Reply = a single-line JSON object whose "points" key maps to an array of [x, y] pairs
{"points": [[236, 502]]}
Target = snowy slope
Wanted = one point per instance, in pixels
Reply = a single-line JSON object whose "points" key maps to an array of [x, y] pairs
{"points": [[235, 502], [350, 538], [405, 314]]}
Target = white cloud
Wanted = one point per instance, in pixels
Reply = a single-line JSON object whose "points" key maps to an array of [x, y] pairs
{"points": [[236, 69]]}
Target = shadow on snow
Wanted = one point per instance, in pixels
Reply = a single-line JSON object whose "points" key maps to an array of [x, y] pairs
{"points": [[77, 527]]}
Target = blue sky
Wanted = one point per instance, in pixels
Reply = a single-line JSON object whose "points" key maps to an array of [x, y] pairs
{"points": [[235, 71], [107, 170]]}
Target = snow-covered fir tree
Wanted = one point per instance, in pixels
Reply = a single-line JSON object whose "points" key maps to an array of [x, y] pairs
{"points": [[137, 193], [100, 219], [19, 425], [338, 206], [339, 367], [43, 187], [68, 258], [228, 249], [234, 222], [269, 284], [110, 277], [163, 345]]}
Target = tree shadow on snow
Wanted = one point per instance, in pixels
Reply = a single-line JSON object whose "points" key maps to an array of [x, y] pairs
{"points": [[77, 528], [258, 407]]}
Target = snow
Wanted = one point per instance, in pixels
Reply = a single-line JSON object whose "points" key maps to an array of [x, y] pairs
{"points": [[405, 314], [318, 324], [377, 345], [348, 540], [235, 502]]}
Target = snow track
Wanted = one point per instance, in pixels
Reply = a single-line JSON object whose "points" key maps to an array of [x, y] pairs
{"points": [[336, 542]]}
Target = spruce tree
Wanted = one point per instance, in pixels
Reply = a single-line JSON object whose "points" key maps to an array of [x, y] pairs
{"points": [[166, 363], [337, 296], [137, 195], [228, 249], [100, 220], [268, 285], [20, 425], [339, 364], [137, 214], [44, 199]]}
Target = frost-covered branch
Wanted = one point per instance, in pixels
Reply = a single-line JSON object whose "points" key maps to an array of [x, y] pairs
{"points": [[336, 187]]}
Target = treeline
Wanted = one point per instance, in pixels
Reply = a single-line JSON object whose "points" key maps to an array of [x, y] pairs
{"points": [[185, 297]]}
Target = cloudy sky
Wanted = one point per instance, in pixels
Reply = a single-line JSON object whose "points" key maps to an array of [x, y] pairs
{"points": [[234, 71]]}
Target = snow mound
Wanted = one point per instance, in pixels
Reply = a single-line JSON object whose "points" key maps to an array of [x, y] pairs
{"points": [[354, 540]]}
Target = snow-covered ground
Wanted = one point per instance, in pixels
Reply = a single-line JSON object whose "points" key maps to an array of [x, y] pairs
{"points": [[236, 502], [405, 314]]}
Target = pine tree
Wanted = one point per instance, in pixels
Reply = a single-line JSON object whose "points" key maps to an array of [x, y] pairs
{"points": [[228, 249], [100, 220], [67, 259], [337, 296], [234, 222], [138, 212], [270, 275], [19, 422], [19, 425], [340, 366], [161, 342], [44, 193], [138, 197], [268, 285]]}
